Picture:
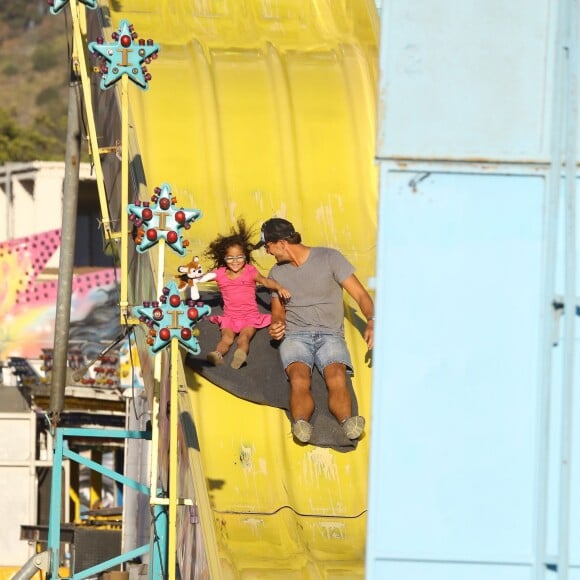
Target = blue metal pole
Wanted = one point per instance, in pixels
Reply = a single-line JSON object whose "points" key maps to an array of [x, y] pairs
{"points": [[569, 299], [119, 468], [549, 274], [159, 541], [55, 506]]}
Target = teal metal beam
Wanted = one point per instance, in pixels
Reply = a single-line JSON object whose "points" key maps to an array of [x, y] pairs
{"points": [[93, 570], [105, 433], [105, 471]]}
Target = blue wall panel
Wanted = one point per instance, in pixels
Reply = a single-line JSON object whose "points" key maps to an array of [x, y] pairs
{"points": [[456, 383], [474, 448], [461, 80], [431, 571]]}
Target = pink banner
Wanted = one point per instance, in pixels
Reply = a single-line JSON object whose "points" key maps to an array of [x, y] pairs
{"points": [[28, 296]]}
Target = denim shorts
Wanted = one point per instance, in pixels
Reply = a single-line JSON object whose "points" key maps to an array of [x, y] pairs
{"points": [[314, 349]]}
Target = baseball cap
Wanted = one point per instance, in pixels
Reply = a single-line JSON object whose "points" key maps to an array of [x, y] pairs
{"points": [[273, 230]]}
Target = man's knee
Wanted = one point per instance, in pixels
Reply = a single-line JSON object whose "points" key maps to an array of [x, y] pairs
{"points": [[299, 375], [335, 372]]}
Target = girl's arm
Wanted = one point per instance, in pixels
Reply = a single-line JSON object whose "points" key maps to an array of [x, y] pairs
{"points": [[273, 285]]}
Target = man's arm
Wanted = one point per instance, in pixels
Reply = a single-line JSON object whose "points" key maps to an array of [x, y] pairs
{"points": [[354, 287], [278, 325]]}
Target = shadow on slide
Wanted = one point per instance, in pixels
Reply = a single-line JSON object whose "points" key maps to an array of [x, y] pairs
{"points": [[259, 108]]}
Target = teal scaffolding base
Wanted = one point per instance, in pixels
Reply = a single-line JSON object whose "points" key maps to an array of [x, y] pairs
{"points": [[158, 545]]}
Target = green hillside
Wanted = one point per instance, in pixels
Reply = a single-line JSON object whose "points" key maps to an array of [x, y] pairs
{"points": [[34, 80]]}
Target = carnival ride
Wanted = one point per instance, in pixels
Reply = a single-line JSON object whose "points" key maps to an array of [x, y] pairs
{"points": [[239, 109]]}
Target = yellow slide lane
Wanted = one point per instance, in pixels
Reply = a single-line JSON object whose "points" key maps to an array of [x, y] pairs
{"points": [[259, 108]]}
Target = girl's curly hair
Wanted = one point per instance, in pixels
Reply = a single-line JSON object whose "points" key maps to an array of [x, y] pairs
{"points": [[239, 235]]}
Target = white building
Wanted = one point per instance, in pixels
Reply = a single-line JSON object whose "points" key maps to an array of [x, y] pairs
{"points": [[31, 202]]}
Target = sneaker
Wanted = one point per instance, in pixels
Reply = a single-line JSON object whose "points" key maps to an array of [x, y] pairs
{"points": [[302, 430], [353, 426], [215, 358], [239, 358]]}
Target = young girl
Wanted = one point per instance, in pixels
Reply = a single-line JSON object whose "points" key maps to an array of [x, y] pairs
{"points": [[236, 278]]}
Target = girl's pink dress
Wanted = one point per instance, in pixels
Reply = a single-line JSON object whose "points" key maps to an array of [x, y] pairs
{"points": [[239, 298]]}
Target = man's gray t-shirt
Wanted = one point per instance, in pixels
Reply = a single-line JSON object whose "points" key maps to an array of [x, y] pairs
{"points": [[317, 296]]}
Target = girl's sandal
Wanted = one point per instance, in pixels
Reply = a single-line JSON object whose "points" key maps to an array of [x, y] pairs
{"points": [[215, 358], [239, 359]]}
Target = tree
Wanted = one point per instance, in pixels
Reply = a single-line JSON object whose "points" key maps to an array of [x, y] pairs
{"points": [[20, 144], [21, 15]]}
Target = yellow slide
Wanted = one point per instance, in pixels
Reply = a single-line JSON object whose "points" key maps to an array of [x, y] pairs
{"points": [[259, 108]]}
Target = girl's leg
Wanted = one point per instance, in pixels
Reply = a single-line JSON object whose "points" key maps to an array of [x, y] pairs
{"points": [[244, 339], [223, 346], [226, 341]]}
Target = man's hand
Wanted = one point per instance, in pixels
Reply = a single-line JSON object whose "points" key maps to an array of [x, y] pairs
{"points": [[277, 330], [369, 333]]}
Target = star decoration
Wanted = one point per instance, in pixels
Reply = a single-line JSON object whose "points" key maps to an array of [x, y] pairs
{"points": [[171, 317], [124, 57], [161, 219], [57, 5]]}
